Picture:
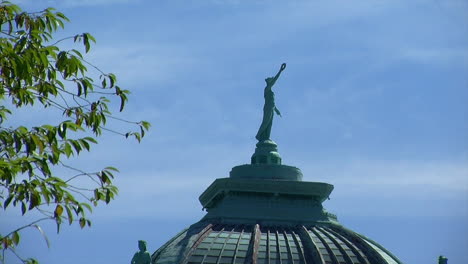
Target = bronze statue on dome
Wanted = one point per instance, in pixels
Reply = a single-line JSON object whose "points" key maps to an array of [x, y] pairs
{"points": [[142, 256], [269, 109]]}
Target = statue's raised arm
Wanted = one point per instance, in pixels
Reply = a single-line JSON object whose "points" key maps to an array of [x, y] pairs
{"points": [[283, 66], [269, 109]]}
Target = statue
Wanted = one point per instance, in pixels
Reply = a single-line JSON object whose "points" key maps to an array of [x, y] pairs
{"points": [[269, 109], [142, 256], [443, 260]]}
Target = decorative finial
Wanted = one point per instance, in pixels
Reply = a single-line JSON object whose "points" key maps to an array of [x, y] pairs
{"points": [[269, 109], [142, 256]]}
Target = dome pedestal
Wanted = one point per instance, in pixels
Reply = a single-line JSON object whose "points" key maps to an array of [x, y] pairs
{"points": [[267, 201]]}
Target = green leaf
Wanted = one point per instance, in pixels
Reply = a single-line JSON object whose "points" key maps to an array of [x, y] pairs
{"points": [[145, 124], [62, 130], [38, 142], [108, 196], [58, 221], [15, 238], [6, 242], [76, 146], [58, 211], [82, 222], [35, 200], [86, 41], [90, 139], [111, 168], [97, 194], [23, 208], [67, 149], [69, 215], [90, 209], [8, 201], [85, 144], [112, 79]]}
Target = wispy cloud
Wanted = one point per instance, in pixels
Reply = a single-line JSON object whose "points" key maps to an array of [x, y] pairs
{"points": [[441, 56], [378, 175], [144, 63]]}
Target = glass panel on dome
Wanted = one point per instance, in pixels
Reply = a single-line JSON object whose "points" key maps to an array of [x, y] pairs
{"points": [[219, 240], [196, 259], [239, 260], [200, 251], [228, 253], [209, 239], [273, 255], [217, 246], [354, 259], [336, 251], [210, 260], [204, 245], [382, 253], [232, 241], [244, 241], [243, 247], [226, 260], [323, 251], [230, 246], [351, 254], [214, 252], [340, 259]]}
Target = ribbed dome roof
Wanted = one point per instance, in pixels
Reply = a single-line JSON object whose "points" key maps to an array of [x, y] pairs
{"points": [[211, 242]]}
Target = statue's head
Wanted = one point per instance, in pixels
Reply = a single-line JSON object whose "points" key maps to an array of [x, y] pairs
{"points": [[269, 80], [142, 245]]}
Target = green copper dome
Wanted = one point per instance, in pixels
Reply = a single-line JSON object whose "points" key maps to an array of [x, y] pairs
{"points": [[215, 242], [265, 214]]}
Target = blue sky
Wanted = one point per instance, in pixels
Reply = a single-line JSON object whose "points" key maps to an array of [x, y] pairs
{"points": [[374, 101]]}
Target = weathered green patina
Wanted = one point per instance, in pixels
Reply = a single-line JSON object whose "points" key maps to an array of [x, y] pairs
{"points": [[269, 109], [443, 260], [142, 256]]}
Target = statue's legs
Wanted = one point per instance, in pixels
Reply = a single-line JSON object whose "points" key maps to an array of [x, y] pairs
{"points": [[265, 128]]}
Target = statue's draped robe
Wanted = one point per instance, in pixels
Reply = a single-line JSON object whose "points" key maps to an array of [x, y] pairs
{"points": [[268, 112], [141, 257]]}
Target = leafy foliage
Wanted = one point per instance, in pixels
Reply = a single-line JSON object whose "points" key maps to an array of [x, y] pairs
{"points": [[34, 71]]}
